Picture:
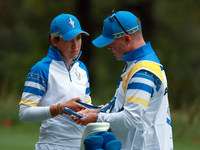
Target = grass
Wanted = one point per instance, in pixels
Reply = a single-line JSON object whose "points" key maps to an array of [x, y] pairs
{"points": [[24, 136], [20, 137], [186, 146], [186, 134]]}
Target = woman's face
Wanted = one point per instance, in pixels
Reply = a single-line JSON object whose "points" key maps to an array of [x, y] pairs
{"points": [[69, 49]]}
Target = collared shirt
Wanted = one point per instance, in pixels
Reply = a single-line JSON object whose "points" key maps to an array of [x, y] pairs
{"points": [[49, 82], [144, 122]]}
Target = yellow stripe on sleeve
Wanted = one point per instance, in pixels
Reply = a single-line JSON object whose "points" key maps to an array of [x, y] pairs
{"points": [[28, 102], [137, 100], [88, 100]]}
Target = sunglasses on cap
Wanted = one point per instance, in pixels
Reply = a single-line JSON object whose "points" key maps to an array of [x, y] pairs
{"points": [[112, 15]]}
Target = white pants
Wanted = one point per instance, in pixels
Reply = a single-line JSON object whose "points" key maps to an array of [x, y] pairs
{"points": [[42, 146]]}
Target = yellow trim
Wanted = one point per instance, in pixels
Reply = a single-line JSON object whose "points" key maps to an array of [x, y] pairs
{"points": [[137, 100], [142, 64], [124, 81], [28, 102], [38, 78], [120, 34], [55, 34], [88, 100], [37, 75], [155, 68], [134, 29]]}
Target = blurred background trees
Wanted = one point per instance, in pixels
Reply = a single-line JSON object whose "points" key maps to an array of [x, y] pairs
{"points": [[172, 26]]}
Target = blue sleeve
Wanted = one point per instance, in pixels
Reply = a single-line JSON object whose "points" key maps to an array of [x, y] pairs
{"points": [[37, 78]]}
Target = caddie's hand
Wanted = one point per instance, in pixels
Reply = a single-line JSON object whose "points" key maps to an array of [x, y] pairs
{"points": [[88, 118], [83, 112]]}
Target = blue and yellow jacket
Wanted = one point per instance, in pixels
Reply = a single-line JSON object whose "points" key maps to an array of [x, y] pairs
{"points": [[140, 118]]}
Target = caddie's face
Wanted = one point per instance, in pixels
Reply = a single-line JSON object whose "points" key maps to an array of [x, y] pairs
{"points": [[118, 48], [70, 49]]}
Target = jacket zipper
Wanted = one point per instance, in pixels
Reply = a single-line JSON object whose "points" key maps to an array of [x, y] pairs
{"points": [[68, 71], [70, 76]]}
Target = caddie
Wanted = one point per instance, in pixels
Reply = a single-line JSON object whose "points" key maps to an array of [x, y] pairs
{"points": [[140, 117]]}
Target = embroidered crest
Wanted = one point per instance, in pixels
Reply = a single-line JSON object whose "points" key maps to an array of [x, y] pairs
{"points": [[78, 74], [71, 22]]}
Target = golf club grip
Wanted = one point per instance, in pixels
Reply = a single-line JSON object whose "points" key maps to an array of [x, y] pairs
{"points": [[72, 112], [107, 106], [88, 105]]}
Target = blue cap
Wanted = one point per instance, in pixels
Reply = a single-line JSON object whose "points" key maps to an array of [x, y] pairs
{"points": [[65, 26], [113, 30]]}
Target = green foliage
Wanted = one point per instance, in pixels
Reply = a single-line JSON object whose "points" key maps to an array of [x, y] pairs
{"points": [[9, 108], [174, 35], [106, 75], [177, 38], [186, 134]]}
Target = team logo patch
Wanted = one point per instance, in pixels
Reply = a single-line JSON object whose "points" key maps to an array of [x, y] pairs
{"points": [[78, 74], [71, 22]]}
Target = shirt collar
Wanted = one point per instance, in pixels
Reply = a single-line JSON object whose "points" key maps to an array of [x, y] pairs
{"points": [[139, 52], [55, 54]]}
